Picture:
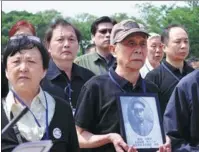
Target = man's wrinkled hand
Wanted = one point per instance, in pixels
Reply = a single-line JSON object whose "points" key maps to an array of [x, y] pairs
{"points": [[166, 147], [119, 144]]}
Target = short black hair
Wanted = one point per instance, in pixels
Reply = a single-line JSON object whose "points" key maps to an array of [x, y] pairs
{"points": [[57, 22], [166, 31], [4, 82], [20, 42], [103, 19]]}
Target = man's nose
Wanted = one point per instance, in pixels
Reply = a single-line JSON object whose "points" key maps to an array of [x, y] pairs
{"points": [[23, 67], [159, 49], [184, 44], [108, 34], [66, 43], [138, 49]]}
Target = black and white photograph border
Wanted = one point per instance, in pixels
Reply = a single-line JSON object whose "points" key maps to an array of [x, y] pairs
{"points": [[153, 135]]}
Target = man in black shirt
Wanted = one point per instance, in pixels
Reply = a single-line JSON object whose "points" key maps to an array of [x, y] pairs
{"points": [[176, 47], [64, 78], [97, 117], [181, 118]]}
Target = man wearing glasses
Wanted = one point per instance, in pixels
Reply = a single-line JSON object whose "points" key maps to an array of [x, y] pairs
{"points": [[96, 117], [138, 121], [101, 60]]}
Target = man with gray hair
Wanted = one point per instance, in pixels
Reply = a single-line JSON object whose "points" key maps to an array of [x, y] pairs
{"points": [[154, 54], [97, 121]]}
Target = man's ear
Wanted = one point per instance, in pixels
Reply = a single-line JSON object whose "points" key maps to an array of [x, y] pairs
{"points": [[7, 76], [164, 47], [112, 50]]}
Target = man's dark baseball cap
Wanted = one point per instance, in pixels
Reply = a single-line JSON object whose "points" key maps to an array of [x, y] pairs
{"points": [[123, 29]]}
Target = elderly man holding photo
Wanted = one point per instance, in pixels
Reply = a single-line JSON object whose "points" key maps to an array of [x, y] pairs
{"points": [[97, 117]]}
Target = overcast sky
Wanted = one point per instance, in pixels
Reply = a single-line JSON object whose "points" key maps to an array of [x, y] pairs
{"points": [[72, 8]]}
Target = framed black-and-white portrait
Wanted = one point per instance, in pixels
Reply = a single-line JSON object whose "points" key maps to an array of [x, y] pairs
{"points": [[140, 121]]}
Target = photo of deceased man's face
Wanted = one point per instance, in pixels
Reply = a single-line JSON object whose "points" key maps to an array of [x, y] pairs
{"points": [[138, 111], [140, 122]]}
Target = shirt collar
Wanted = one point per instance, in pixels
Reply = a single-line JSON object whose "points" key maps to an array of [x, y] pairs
{"points": [[39, 98], [95, 57], [123, 82], [120, 80], [186, 67], [148, 64], [138, 86], [77, 72], [53, 71]]}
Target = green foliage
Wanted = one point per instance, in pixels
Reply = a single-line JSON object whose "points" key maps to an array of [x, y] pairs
{"points": [[120, 16], [156, 18], [40, 20], [152, 17]]}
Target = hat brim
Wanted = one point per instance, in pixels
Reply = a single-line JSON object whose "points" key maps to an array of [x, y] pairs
{"points": [[129, 32]]}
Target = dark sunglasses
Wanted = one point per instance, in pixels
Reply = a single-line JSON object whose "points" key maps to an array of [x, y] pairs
{"points": [[104, 31], [138, 110]]}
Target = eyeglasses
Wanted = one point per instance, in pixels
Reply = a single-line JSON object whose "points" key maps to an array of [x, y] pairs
{"points": [[104, 31]]}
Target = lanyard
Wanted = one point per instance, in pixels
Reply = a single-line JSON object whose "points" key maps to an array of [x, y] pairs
{"points": [[68, 91], [170, 72], [115, 82], [22, 102]]}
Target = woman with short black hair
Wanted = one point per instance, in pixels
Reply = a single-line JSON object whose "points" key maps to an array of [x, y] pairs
{"points": [[26, 62]]}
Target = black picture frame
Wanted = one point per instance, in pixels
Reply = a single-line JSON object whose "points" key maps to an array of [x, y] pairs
{"points": [[140, 121]]}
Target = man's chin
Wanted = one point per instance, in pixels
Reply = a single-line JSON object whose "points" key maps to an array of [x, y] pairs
{"points": [[134, 67], [106, 46]]}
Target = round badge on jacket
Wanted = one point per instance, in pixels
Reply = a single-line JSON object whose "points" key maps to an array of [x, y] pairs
{"points": [[57, 133]]}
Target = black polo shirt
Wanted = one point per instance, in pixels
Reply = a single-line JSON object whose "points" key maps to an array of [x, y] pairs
{"points": [[167, 81], [97, 109], [56, 81]]}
